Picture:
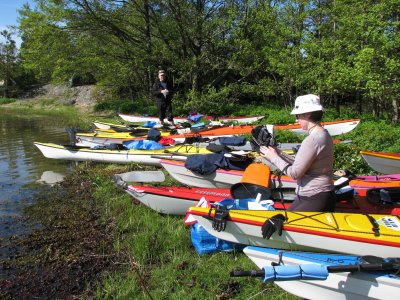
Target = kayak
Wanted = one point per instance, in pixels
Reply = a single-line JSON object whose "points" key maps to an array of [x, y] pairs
{"points": [[226, 178], [333, 127], [106, 137], [140, 118], [349, 233], [145, 157], [111, 127], [386, 163], [177, 200], [347, 277]]}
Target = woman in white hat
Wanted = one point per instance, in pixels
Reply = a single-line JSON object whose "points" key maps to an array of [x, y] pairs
{"points": [[312, 166]]}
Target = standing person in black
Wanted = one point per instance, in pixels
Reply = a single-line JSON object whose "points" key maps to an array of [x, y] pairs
{"points": [[162, 91]]}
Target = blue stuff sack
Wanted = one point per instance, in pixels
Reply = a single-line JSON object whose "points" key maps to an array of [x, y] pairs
{"points": [[197, 125], [205, 243], [195, 118], [245, 204], [143, 145], [149, 124]]}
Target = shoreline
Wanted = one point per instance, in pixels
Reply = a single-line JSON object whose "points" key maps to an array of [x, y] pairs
{"points": [[69, 253]]}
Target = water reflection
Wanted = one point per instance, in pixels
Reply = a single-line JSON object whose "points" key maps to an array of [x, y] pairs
{"points": [[22, 165], [50, 177]]}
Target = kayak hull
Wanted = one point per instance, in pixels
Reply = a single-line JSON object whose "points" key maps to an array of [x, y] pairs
{"points": [[386, 163], [143, 157], [343, 285]]}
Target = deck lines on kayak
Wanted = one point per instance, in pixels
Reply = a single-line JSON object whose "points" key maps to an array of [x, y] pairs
{"points": [[295, 227]]}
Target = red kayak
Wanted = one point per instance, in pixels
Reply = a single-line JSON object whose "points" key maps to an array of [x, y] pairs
{"points": [[176, 200]]}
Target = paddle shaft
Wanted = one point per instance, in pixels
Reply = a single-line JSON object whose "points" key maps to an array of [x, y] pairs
{"points": [[386, 266]]}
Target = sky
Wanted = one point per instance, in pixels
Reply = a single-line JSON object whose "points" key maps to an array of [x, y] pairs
{"points": [[9, 14]]}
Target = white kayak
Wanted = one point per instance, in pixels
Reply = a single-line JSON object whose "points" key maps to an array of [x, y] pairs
{"points": [[338, 285], [221, 178], [385, 163], [141, 118], [144, 157]]}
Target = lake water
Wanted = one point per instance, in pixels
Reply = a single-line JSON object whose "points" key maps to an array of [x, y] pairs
{"points": [[22, 165]]}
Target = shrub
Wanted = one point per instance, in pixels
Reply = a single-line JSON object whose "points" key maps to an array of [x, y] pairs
{"points": [[347, 157], [7, 100]]}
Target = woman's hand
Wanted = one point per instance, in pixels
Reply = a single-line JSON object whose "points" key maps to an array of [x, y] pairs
{"points": [[268, 152]]}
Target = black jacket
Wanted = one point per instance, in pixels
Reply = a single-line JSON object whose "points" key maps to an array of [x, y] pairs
{"points": [[156, 91]]}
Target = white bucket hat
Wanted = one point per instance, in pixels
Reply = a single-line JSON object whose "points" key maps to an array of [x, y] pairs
{"points": [[306, 103]]}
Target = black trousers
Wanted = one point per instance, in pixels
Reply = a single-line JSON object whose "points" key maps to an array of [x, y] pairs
{"points": [[164, 110], [324, 202]]}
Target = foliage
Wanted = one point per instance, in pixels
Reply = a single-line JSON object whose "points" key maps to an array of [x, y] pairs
{"points": [[222, 54], [286, 136], [377, 135], [347, 157], [213, 101], [13, 77], [138, 106], [7, 100]]}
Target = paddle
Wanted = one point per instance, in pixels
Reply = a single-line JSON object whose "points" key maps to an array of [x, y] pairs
{"points": [[182, 157], [122, 179], [127, 124], [315, 271]]}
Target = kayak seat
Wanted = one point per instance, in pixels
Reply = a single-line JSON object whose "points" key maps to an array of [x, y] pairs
{"points": [[385, 196], [243, 190]]}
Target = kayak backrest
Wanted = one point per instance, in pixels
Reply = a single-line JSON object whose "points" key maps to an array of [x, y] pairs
{"points": [[243, 190]]}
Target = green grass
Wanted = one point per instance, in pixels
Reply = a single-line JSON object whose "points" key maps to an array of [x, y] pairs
{"points": [[7, 100]]}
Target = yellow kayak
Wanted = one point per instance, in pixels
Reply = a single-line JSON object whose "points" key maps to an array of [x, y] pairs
{"points": [[351, 233]]}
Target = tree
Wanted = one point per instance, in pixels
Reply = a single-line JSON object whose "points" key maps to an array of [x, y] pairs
{"points": [[8, 61]]}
